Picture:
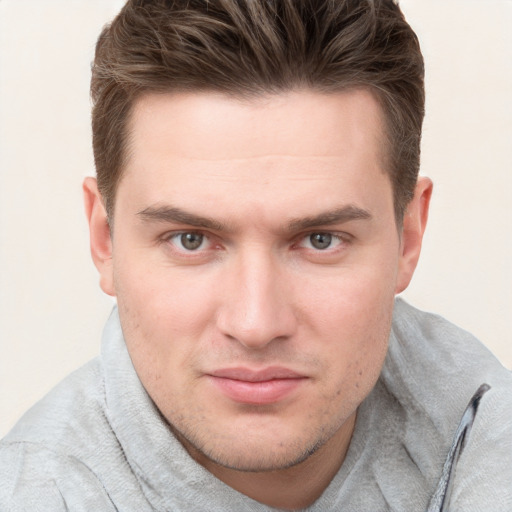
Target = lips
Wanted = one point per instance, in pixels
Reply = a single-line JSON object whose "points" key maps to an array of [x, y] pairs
{"points": [[256, 387]]}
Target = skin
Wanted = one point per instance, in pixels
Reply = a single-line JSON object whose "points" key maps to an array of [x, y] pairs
{"points": [[267, 174]]}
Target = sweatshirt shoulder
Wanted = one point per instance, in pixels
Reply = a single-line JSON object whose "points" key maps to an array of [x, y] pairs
{"points": [[52, 458], [483, 475], [68, 415], [66, 454], [36, 478], [442, 354], [433, 368]]}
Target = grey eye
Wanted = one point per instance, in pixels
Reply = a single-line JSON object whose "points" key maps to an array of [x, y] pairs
{"points": [[320, 240], [191, 241]]}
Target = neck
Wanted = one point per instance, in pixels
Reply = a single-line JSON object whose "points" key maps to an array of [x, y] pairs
{"points": [[292, 488]]}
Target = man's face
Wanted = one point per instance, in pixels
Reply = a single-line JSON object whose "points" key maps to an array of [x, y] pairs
{"points": [[255, 262]]}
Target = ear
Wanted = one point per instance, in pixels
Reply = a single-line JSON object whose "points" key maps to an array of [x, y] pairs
{"points": [[414, 223], [99, 230]]}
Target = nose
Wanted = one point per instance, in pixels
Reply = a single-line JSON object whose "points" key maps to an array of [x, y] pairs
{"points": [[256, 301]]}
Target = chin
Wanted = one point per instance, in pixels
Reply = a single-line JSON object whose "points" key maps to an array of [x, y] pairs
{"points": [[253, 453], [262, 459]]}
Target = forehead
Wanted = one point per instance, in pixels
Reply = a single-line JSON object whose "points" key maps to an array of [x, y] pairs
{"points": [[300, 123], [274, 148]]}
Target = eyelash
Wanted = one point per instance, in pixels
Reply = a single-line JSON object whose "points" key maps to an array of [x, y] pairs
{"points": [[342, 240], [170, 236]]}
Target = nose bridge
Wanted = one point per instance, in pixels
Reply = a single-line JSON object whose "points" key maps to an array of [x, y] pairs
{"points": [[256, 308]]}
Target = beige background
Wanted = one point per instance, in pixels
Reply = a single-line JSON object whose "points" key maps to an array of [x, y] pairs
{"points": [[51, 309]]}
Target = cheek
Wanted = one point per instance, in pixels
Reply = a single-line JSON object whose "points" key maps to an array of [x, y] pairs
{"points": [[173, 299], [163, 313], [352, 314], [352, 299]]}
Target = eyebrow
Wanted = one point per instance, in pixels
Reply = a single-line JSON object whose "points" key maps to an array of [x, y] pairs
{"points": [[177, 215], [337, 216]]}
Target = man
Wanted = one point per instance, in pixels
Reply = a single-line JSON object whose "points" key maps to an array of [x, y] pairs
{"points": [[256, 210]]}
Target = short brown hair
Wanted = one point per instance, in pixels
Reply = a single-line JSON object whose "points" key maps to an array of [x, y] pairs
{"points": [[254, 47]]}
